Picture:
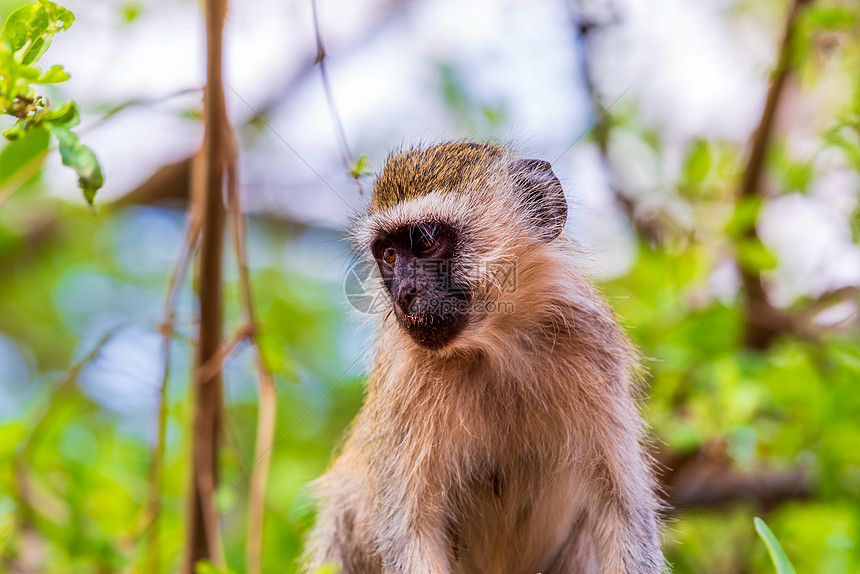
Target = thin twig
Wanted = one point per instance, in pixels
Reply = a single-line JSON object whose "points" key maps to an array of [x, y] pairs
{"points": [[136, 102], [268, 400], [600, 127], [212, 367], [761, 138], [286, 143], [289, 427], [172, 177], [345, 155], [206, 491], [156, 473], [704, 477]]}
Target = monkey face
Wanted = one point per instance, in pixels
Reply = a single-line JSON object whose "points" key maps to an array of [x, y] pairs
{"points": [[415, 264], [446, 225]]}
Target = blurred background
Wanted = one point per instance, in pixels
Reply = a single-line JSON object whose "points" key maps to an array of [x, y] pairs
{"points": [[738, 280]]}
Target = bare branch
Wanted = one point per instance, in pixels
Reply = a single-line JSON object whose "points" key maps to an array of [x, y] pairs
{"points": [[202, 541], [153, 500], [764, 322], [136, 102], [646, 228], [705, 478], [268, 399], [171, 181], [213, 366], [320, 59]]}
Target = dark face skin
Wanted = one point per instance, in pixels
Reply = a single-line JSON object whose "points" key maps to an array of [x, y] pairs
{"points": [[415, 265]]}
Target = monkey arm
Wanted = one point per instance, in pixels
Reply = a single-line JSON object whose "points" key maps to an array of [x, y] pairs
{"points": [[415, 540], [340, 535], [622, 511], [383, 506], [411, 494]]}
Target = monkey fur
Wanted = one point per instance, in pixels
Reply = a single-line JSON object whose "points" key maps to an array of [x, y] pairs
{"points": [[504, 442]]}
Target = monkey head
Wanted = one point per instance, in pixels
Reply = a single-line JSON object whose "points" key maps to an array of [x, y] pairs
{"points": [[447, 226]]}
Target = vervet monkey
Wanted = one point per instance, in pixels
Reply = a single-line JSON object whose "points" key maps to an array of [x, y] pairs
{"points": [[500, 433]]}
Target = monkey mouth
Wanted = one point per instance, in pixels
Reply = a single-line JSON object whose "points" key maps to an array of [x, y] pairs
{"points": [[432, 330]]}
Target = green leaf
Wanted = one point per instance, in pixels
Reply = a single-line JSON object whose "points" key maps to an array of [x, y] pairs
{"points": [[66, 18], [453, 89], [845, 137], [745, 216], [90, 178], [64, 115], [35, 51], [26, 24], [799, 177], [698, 162], [7, 62], [80, 158], [360, 167], [38, 24], [29, 29], [22, 88], [67, 138], [754, 256], [53, 76], [30, 73], [207, 567], [16, 27], [17, 131], [17, 154], [494, 115], [27, 32], [777, 554], [130, 11], [831, 17]]}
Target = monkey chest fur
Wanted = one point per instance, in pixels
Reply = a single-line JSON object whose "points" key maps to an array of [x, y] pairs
{"points": [[506, 478], [515, 521]]}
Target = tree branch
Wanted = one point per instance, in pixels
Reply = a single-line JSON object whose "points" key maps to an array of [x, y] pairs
{"points": [[320, 59], [216, 362], [171, 181], [202, 540], [764, 322], [646, 228], [704, 478], [156, 473], [268, 400]]}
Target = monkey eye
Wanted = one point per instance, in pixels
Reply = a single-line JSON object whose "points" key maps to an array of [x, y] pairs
{"points": [[389, 254], [423, 241]]}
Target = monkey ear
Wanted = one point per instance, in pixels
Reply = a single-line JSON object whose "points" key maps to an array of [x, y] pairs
{"points": [[542, 194]]}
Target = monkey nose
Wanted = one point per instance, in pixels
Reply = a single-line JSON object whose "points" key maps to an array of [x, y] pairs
{"points": [[407, 296]]}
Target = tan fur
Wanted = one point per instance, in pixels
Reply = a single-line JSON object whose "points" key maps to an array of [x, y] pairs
{"points": [[444, 167], [514, 449]]}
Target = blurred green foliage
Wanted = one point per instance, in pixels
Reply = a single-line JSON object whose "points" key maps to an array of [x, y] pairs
{"points": [[26, 36], [85, 465]]}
